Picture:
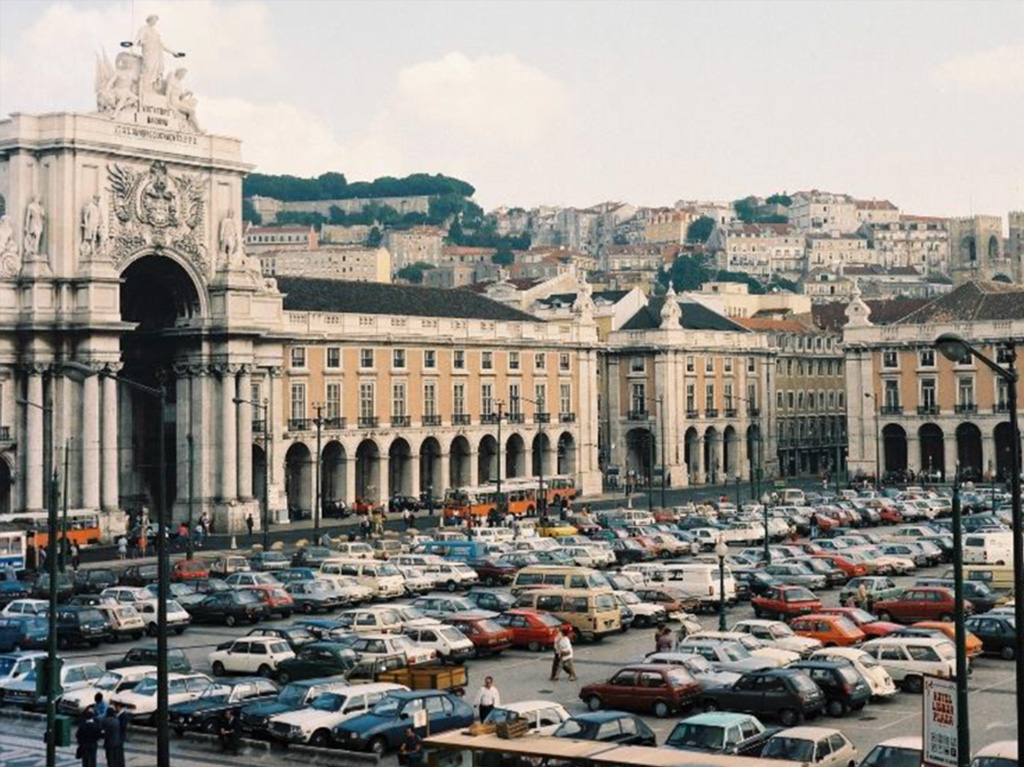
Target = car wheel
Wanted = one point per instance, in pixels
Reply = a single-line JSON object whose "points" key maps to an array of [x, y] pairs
{"points": [[1006, 653], [320, 739], [946, 617], [452, 585], [594, 703], [180, 630], [489, 580], [378, 746], [265, 671], [94, 643], [789, 717], [885, 615], [662, 709], [836, 708], [913, 684], [138, 635], [533, 647], [282, 677], [229, 620], [218, 668]]}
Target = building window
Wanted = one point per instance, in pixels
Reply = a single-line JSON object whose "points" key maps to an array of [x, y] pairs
{"points": [[709, 396], [398, 359], [298, 410], [890, 360], [927, 358], [459, 399], [778, 400], [751, 365], [333, 400], [487, 360], [429, 359], [965, 391], [564, 363], [459, 359], [892, 394], [513, 360], [540, 397], [565, 397], [367, 406], [928, 399], [752, 395], [709, 365], [514, 400], [298, 357], [841, 397], [366, 359], [398, 400], [637, 364], [691, 397], [727, 396], [333, 357], [539, 361], [638, 398], [831, 399], [486, 399], [800, 400], [1002, 395], [429, 399], [691, 364], [727, 365], [789, 397]]}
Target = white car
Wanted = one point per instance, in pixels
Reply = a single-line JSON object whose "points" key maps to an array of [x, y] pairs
{"points": [[127, 594], [416, 581], [17, 665], [450, 644], [373, 646], [543, 716], [817, 746], [644, 613], [250, 655], [778, 634], [314, 724], [21, 691], [348, 588], [1002, 753], [878, 678], [181, 688], [781, 658], [177, 618], [909, 659], [906, 749], [241, 580], [585, 556], [353, 550], [21, 607], [412, 617], [451, 575], [376, 619], [111, 683]]}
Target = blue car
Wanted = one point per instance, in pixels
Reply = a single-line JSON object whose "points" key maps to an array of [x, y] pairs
{"points": [[383, 727], [11, 590], [23, 632]]}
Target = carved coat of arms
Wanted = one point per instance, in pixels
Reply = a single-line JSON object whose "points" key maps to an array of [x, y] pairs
{"points": [[156, 209]]}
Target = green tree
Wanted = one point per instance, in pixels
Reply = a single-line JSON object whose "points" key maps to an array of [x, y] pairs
{"points": [[455, 233], [414, 272], [783, 284], [300, 218], [746, 209], [503, 254], [374, 238], [686, 273], [700, 230], [250, 214], [753, 286], [780, 198]]}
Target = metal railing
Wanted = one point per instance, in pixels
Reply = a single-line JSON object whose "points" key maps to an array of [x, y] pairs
{"points": [[927, 409], [368, 422], [460, 419], [892, 409], [431, 420], [337, 422], [516, 418], [966, 408], [299, 424], [637, 415], [400, 421], [711, 412], [542, 417], [567, 418]]}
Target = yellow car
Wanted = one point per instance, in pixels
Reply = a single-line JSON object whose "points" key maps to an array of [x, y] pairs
{"points": [[555, 530]]}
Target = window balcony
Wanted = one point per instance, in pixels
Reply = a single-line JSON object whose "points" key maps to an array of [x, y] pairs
{"points": [[753, 411], [431, 420], [542, 417], [337, 422], [400, 421], [460, 419], [257, 428], [488, 418], [567, 418], [892, 409], [968, 407], [1001, 407], [730, 412], [711, 412], [691, 413], [927, 409], [5, 433], [637, 415], [368, 422], [299, 424], [516, 418]]}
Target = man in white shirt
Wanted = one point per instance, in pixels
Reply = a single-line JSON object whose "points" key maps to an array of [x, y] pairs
{"points": [[487, 698], [562, 658]]}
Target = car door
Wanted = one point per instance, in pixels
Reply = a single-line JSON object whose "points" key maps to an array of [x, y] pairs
{"points": [[621, 689], [771, 695], [823, 752], [177, 691], [237, 657], [652, 688], [744, 695], [259, 655]]}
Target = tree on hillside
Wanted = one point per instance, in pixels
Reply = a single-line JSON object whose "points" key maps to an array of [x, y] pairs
{"points": [[250, 214], [503, 255], [700, 230], [753, 285], [780, 198], [374, 238], [334, 186], [686, 273], [746, 209], [414, 272]]}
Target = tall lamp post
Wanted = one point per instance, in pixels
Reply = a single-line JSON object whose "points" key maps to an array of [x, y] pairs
{"points": [[265, 407], [878, 442], [955, 348], [766, 502], [963, 728], [721, 551]]}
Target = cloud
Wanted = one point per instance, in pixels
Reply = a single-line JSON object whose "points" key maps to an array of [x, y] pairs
{"points": [[997, 69], [492, 99]]}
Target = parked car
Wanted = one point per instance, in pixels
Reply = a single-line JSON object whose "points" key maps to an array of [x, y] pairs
{"points": [[313, 596], [879, 680], [22, 691], [818, 746], [726, 656], [495, 601], [94, 580], [829, 629], [17, 665], [1002, 753], [778, 634], [138, 575], [703, 673], [316, 660], [904, 751], [657, 688], [296, 636], [268, 561], [976, 592], [78, 626], [65, 587], [441, 606], [178, 618], [311, 556], [721, 733], [877, 587], [996, 634], [187, 570], [543, 716], [254, 718], [645, 614], [146, 655], [141, 699], [380, 645], [314, 725], [487, 635], [228, 564], [533, 629], [125, 621], [972, 644], [382, 729], [920, 603], [204, 714], [20, 607], [23, 632], [909, 659], [608, 727], [845, 689], [229, 608], [862, 619], [450, 644], [790, 695], [250, 655], [784, 602], [112, 682], [11, 590]]}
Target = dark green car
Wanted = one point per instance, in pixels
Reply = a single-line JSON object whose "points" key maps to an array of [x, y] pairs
{"points": [[319, 659], [177, 661]]}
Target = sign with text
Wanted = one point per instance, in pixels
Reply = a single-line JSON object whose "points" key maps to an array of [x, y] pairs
{"points": [[940, 714]]}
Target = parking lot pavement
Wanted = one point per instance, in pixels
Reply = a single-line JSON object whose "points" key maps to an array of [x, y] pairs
{"points": [[522, 675]]}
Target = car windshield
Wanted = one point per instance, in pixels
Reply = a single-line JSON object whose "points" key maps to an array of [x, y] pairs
{"points": [[246, 598], [596, 580], [108, 681], [782, 630], [329, 701], [605, 602], [889, 756], [993, 761], [146, 687], [6, 664], [387, 706], [501, 715], [292, 695], [699, 737], [570, 729], [735, 652], [549, 620], [490, 627], [628, 597], [452, 634], [385, 569], [799, 595], [845, 625], [804, 683], [793, 749], [403, 643]]}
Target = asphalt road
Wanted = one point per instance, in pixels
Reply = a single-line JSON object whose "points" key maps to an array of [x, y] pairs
{"points": [[521, 675]]}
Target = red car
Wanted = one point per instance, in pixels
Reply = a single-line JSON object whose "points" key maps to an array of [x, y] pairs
{"points": [[851, 569], [865, 621], [785, 602], [660, 689], [533, 629], [890, 516], [487, 636], [492, 571], [921, 603], [190, 570], [275, 599]]}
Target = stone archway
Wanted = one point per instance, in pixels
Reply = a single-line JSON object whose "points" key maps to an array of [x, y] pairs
{"points": [[894, 449], [969, 452], [691, 453], [458, 462], [540, 453], [933, 449], [430, 468], [566, 454], [368, 479], [259, 472], [712, 455], [334, 482], [6, 487], [298, 480], [640, 447], [399, 468], [730, 453], [1002, 436], [487, 460], [515, 457]]}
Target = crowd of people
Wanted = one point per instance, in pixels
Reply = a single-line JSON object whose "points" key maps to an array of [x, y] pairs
{"points": [[102, 722]]}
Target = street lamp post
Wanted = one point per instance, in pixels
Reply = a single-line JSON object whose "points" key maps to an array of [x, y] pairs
{"points": [[955, 348], [766, 501], [963, 734], [878, 443], [318, 506], [721, 551]]}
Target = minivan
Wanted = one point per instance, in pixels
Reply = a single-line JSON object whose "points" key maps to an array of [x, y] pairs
{"points": [[593, 613], [534, 576], [382, 578], [998, 578], [462, 551], [699, 580], [988, 548]]}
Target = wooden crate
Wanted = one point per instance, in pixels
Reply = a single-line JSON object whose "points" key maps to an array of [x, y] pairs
{"points": [[515, 728]]}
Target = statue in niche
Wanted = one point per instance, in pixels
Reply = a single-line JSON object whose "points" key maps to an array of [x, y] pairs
{"points": [[228, 235], [92, 227], [35, 222]]}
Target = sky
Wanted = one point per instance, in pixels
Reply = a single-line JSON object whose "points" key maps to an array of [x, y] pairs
{"points": [[573, 103]]}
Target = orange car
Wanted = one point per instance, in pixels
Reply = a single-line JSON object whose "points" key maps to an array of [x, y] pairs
{"points": [[973, 644], [832, 630], [275, 599], [190, 570]]}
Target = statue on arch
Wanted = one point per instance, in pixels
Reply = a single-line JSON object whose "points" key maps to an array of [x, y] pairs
{"points": [[35, 222], [8, 248], [92, 227], [117, 85], [180, 100], [153, 49], [228, 236]]}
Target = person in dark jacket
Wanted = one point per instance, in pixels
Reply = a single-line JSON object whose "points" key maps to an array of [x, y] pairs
{"points": [[229, 733], [88, 737], [113, 745], [123, 720]]}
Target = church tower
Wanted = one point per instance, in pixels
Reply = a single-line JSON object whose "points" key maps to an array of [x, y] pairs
{"points": [[977, 250]]}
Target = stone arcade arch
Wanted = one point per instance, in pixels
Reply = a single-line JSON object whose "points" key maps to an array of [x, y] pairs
{"points": [[894, 448], [368, 479], [692, 453], [968, 451], [515, 457], [298, 480], [1003, 445], [640, 447], [487, 460], [566, 454], [333, 479], [540, 455], [399, 468], [712, 455], [730, 452], [933, 449], [458, 462], [430, 468]]}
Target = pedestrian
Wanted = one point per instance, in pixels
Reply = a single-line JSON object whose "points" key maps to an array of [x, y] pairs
{"points": [[123, 719], [681, 634], [113, 745], [325, 540], [228, 732], [250, 523], [410, 519], [410, 753], [122, 548], [76, 556], [88, 738], [199, 532], [862, 596], [42, 558], [814, 526], [487, 698], [99, 705], [562, 658], [663, 640]]}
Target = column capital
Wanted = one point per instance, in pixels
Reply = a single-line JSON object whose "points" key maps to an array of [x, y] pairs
{"points": [[36, 368], [225, 369], [274, 371]]}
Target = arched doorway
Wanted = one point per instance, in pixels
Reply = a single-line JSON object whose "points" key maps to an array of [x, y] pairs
{"points": [[298, 480], [540, 452], [399, 468], [993, 248], [969, 249], [487, 460], [712, 455], [259, 473], [933, 450], [730, 453], [6, 485], [691, 453], [333, 479], [968, 451], [754, 447], [458, 462], [430, 467], [566, 454], [159, 296], [368, 479], [894, 448], [640, 448], [1004, 445], [515, 457]]}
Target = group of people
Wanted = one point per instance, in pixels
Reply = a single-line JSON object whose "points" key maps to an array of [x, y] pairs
{"points": [[102, 722]]}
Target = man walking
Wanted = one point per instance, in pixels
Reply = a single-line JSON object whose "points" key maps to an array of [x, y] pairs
{"points": [[250, 523], [487, 698], [562, 657]]}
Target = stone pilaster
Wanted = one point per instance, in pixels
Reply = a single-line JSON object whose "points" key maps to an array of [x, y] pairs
{"points": [[228, 433], [244, 434], [32, 488], [90, 442], [109, 491]]}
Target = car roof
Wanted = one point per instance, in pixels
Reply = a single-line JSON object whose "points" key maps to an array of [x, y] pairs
{"points": [[1003, 748], [717, 719], [807, 733], [415, 694], [601, 716], [904, 741], [522, 706]]}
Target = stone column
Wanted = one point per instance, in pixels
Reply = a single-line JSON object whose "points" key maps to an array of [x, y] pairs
{"points": [[445, 476], [183, 404], [228, 435], [697, 453], [33, 483], [383, 478], [90, 442], [914, 451], [951, 455], [742, 457], [414, 476], [474, 466], [244, 434], [350, 479], [201, 420], [109, 492]]}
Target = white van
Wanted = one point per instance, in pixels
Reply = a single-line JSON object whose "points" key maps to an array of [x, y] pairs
{"points": [[382, 578], [792, 496], [698, 579], [492, 534], [910, 659], [988, 548]]}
